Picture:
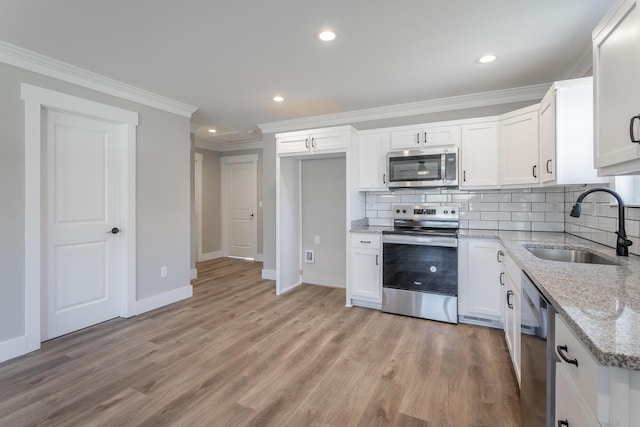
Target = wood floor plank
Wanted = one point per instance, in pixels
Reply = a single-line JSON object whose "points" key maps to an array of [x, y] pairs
{"points": [[236, 354]]}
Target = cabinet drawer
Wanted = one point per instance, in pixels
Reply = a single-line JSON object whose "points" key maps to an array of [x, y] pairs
{"points": [[365, 240], [586, 374], [513, 271]]}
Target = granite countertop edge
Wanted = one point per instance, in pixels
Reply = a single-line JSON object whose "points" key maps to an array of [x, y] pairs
{"points": [[579, 291]]}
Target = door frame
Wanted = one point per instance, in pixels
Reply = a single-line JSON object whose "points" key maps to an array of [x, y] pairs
{"points": [[37, 99], [225, 162], [198, 158]]}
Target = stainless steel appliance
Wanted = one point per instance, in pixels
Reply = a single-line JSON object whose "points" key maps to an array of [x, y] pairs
{"points": [[538, 359], [420, 262], [432, 167]]}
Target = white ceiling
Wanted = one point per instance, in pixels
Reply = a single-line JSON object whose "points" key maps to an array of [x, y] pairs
{"points": [[229, 58]]}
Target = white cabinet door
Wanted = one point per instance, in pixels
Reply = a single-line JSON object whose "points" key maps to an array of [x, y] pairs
{"points": [[512, 323], [547, 142], [479, 289], [571, 409], [366, 267], [425, 136], [329, 141], [616, 50], [295, 143], [372, 162], [479, 155], [518, 147]]}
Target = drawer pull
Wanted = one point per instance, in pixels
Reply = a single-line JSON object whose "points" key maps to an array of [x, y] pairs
{"points": [[564, 423], [377, 259], [561, 351], [509, 304], [365, 241], [501, 281], [499, 255], [633, 137]]}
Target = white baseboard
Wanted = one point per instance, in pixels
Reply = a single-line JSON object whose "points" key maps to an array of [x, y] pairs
{"points": [[210, 255], [290, 288], [268, 274], [14, 347], [194, 273], [157, 301], [366, 304], [259, 258]]}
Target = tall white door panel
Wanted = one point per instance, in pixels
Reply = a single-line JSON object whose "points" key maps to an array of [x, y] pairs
{"points": [[83, 215], [240, 230]]}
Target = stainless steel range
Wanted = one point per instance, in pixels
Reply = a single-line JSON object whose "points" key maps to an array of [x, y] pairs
{"points": [[420, 262]]}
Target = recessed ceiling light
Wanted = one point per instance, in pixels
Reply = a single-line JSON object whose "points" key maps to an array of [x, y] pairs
{"points": [[212, 131], [327, 36], [278, 98], [490, 57]]}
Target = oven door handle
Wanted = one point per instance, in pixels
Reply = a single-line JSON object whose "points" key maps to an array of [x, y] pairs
{"points": [[449, 242]]}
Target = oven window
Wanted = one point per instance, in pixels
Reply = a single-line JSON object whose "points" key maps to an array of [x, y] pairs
{"points": [[420, 268], [415, 168]]}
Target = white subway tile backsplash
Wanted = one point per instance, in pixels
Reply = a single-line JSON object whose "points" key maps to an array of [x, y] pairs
{"points": [[495, 197], [607, 224], [381, 222], [473, 216], [411, 198], [515, 207], [514, 225], [479, 207], [633, 228], [547, 226], [528, 197], [529, 216], [495, 216], [484, 225], [554, 216], [554, 197], [373, 213], [547, 207]]}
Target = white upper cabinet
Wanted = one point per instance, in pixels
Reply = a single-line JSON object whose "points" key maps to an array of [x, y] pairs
{"points": [[425, 136], [372, 161], [329, 140], [616, 67], [566, 134], [479, 155], [518, 147]]}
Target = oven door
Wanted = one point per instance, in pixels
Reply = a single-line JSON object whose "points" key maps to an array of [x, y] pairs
{"points": [[420, 264]]}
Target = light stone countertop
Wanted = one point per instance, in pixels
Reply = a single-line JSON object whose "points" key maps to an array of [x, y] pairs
{"points": [[601, 303]]}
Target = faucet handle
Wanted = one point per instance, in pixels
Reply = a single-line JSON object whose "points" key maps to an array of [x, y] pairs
{"points": [[622, 239]]}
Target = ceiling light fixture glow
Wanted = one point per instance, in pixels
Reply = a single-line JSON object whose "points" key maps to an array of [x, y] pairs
{"points": [[278, 98], [327, 36], [486, 59], [212, 131]]}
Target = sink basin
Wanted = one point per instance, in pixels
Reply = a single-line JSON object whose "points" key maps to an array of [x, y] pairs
{"points": [[570, 255]]}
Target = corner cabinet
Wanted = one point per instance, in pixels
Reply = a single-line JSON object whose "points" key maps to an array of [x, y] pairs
{"points": [[365, 281], [479, 155], [566, 134], [331, 140], [616, 67], [372, 161], [518, 147], [479, 290]]}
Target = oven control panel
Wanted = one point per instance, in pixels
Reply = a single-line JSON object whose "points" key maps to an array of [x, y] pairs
{"points": [[425, 212]]}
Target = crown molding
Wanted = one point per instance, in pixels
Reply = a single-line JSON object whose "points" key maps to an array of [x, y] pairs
{"points": [[222, 147], [28, 60], [503, 96], [584, 66]]}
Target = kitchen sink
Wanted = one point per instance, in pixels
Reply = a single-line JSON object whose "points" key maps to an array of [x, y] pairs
{"points": [[582, 256]]}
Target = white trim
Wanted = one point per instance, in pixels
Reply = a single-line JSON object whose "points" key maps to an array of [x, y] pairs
{"points": [[584, 64], [259, 258], [503, 96], [36, 99], [15, 347], [268, 274], [166, 298], [208, 256], [22, 58], [225, 162], [289, 288], [194, 273], [197, 159]]}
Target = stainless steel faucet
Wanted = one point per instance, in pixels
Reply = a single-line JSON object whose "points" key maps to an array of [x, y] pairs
{"points": [[622, 243]]}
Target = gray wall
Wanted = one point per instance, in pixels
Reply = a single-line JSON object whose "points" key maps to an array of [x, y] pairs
{"points": [[323, 207], [163, 194]]}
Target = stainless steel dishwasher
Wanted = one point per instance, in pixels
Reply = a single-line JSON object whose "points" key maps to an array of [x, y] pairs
{"points": [[538, 359]]}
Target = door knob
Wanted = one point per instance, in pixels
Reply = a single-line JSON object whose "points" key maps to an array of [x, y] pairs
{"points": [[251, 215], [114, 230]]}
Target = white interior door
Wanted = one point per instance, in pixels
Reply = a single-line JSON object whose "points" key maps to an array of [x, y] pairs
{"points": [[239, 174], [83, 205]]}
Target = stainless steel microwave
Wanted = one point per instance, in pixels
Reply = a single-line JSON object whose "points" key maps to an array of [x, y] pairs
{"points": [[431, 167]]}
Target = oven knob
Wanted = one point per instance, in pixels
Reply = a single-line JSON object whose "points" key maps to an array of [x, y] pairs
{"points": [[453, 212], [446, 212], [397, 210], [404, 211]]}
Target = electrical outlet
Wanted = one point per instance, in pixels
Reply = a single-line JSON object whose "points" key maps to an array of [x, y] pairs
{"points": [[163, 271], [316, 240]]}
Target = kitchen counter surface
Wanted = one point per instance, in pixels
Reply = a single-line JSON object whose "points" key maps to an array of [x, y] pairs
{"points": [[601, 303]]}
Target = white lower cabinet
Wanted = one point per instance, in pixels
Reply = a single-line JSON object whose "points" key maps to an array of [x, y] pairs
{"points": [[478, 278], [571, 409], [365, 284]]}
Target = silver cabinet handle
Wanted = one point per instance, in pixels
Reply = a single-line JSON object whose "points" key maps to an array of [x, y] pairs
{"points": [[548, 168], [501, 276], [306, 143], [313, 142], [365, 241], [384, 178], [509, 304], [418, 138], [425, 137], [377, 259], [498, 255]]}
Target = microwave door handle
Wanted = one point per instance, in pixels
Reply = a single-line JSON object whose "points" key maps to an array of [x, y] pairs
{"points": [[443, 167]]}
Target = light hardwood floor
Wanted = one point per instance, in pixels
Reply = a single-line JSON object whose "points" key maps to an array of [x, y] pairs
{"points": [[236, 354]]}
